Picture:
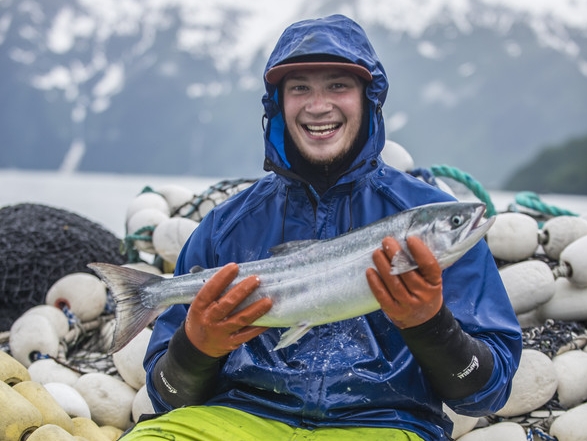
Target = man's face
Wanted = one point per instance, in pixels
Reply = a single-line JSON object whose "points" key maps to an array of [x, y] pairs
{"points": [[323, 112]]}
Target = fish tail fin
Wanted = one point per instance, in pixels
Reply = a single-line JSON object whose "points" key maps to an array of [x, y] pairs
{"points": [[292, 335], [132, 316]]}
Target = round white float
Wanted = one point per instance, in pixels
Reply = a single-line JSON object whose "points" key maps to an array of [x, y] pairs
{"points": [[55, 315], [528, 284], [82, 293], [534, 384], [69, 399], [148, 217], [129, 360], [30, 335], [462, 423], [397, 156], [573, 262], [560, 231], [47, 370], [571, 370], [147, 200], [501, 431], [176, 196], [569, 303], [570, 426], [141, 405], [513, 237], [110, 399], [170, 236]]}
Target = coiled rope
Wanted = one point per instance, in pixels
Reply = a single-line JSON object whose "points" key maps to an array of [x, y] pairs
{"points": [[469, 182], [531, 200], [526, 199]]}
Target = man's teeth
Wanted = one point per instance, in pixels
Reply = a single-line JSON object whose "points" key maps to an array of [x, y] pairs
{"points": [[324, 129]]}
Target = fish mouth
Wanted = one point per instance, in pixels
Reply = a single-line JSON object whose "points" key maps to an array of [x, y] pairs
{"points": [[480, 224]]}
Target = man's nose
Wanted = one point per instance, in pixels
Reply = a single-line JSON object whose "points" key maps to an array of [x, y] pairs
{"points": [[318, 102]]}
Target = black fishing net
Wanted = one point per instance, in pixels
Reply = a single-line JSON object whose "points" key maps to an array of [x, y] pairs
{"points": [[39, 245]]}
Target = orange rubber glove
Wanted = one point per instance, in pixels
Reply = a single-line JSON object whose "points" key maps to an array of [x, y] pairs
{"points": [[209, 325], [412, 298]]}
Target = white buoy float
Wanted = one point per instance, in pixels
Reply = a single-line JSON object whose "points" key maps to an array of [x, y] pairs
{"points": [[170, 236], [529, 284], [176, 196], [534, 384], [573, 263], [31, 335], [507, 430], [571, 370], [560, 231], [569, 303], [397, 156], [141, 405], [129, 360], [47, 370], [83, 294], [55, 315], [147, 200], [69, 399], [513, 237], [461, 423], [142, 222], [110, 400], [570, 426]]}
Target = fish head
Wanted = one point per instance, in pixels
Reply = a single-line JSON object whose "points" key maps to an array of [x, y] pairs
{"points": [[449, 229]]}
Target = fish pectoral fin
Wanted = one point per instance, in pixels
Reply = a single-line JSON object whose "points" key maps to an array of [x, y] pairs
{"points": [[292, 335], [402, 262]]}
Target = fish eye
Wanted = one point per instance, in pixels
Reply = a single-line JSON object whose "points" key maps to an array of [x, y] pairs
{"points": [[457, 220]]}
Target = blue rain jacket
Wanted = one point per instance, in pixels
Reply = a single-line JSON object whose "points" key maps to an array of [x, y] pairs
{"points": [[356, 372]]}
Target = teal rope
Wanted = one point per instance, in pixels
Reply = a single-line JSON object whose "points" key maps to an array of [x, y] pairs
{"points": [[127, 245], [469, 182], [531, 200]]}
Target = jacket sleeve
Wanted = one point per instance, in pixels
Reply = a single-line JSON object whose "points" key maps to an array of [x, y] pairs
{"points": [[455, 364], [183, 375]]}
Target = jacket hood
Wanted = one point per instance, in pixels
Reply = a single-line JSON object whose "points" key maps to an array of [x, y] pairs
{"points": [[334, 36]]}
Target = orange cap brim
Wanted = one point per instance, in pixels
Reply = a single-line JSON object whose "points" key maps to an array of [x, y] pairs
{"points": [[276, 73]]}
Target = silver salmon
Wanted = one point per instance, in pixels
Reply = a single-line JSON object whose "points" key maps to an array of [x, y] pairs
{"points": [[311, 282]]}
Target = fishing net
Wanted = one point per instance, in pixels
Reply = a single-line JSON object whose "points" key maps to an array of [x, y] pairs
{"points": [[194, 209], [39, 245]]}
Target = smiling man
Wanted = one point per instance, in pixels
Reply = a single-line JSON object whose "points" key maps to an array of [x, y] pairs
{"points": [[440, 337]]}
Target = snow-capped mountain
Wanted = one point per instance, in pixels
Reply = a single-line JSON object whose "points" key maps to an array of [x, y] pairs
{"points": [[174, 86]]}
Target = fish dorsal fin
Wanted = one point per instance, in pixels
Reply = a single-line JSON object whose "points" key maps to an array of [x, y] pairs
{"points": [[291, 247], [196, 269]]}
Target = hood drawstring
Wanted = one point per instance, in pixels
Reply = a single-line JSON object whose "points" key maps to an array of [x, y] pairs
{"points": [[351, 206], [284, 214]]}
